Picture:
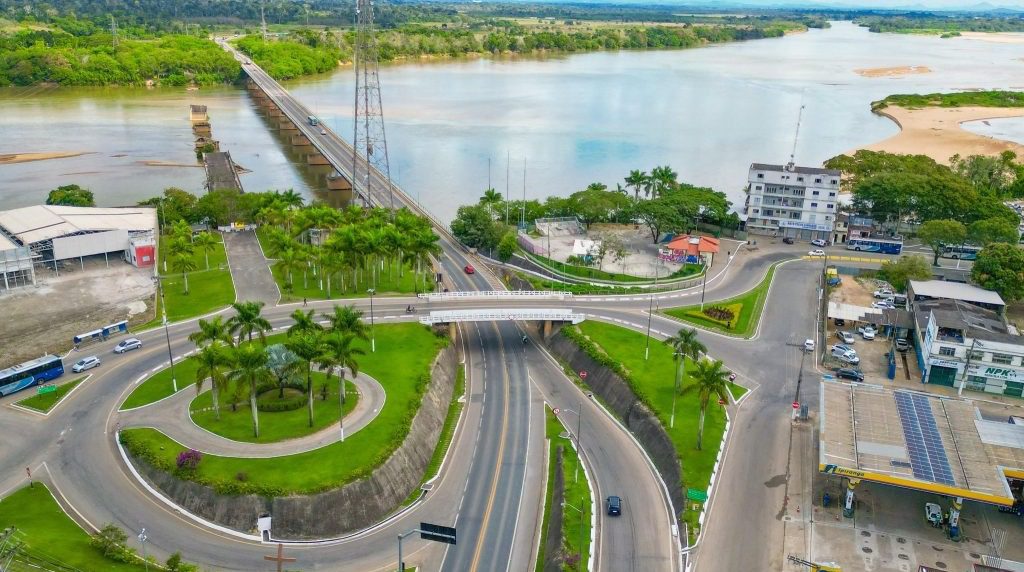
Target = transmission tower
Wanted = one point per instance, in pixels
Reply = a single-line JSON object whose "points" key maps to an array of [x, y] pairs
{"points": [[263, 24], [113, 29], [370, 147]]}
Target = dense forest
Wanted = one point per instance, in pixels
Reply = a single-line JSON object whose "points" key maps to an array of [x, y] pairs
{"points": [[946, 25]]}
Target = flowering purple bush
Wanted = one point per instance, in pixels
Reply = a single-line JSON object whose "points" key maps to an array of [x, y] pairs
{"points": [[189, 460]]}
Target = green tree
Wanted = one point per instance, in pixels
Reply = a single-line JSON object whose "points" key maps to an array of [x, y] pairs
{"points": [[72, 196], [212, 361], [475, 227], [251, 370], [986, 231], [659, 215], [685, 345], [596, 204], [636, 181], [339, 354], [205, 242], [248, 320], [110, 540], [901, 272], [710, 380], [508, 246], [212, 330], [182, 262], [283, 365], [938, 233], [1000, 267], [303, 322], [309, 348], [290, 260], [347, 320]]}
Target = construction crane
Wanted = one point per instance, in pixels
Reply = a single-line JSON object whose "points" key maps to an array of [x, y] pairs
{"points": [[829, 567]]}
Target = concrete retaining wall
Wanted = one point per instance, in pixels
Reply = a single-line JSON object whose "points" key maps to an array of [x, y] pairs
{"points": [[640, 420], [332, 513], [553, 540]]}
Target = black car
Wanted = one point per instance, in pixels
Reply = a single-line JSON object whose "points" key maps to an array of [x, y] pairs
{"points": [[850, 373], [614, 506], [840, 322], [788, 240]]}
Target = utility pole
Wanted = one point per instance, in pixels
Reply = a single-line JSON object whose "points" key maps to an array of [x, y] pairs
{"points": [[263, 24], [522, 221], [508, 167], [369, 141], [113, 29]]}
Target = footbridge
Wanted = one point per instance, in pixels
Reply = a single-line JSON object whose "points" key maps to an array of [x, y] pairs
{"points": [[547, 317], [503, 295]]}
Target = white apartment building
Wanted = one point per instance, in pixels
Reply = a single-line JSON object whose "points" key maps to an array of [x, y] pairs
{"points": [[792, 201]]}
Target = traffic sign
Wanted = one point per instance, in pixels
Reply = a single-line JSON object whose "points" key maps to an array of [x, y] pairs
{"points": [[437, 533], [555, 411], [583, 374], [46, 389], [697, 495], [796, 405]]}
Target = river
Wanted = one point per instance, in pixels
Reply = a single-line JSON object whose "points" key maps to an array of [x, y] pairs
{"points": [[572, 120]]}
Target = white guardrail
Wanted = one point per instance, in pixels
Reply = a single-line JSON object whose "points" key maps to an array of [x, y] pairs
{"points": [[512, 314], [496, 295]]}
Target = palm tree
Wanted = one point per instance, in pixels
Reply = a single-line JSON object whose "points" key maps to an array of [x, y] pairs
{"points": [[664, 179], [289, 261], [248, 320], [183, 263], [711, 380], [205, 242], [339, 354], [304, 322], [290, 199], [251, 369], [684, 345], [211, 331], [636, 180], [490, 197], [309, 348], [283, 364], [347, 321], [211, 361]]}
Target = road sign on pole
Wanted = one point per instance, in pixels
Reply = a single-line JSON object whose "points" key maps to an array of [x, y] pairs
{"points": [[796, 405], [583, 374], [697, 495], [555, 410], [46, 389], [437, 532]]}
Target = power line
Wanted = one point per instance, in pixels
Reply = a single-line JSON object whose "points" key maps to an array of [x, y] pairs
{"points": [[369, 141]]}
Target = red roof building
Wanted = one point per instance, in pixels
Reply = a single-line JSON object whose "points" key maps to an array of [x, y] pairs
{"points": [[685, 246]]}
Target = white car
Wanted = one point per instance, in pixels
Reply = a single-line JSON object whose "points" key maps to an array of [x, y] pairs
{"points": [[85, 363], [818, 252], [884, 293], [848, 356], [847, 337], [808, 345], [883, 305], [819, 242], [867, 332], [127, 345], [323, 132]]}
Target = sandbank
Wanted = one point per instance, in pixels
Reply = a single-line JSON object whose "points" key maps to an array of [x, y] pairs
{"points": [[10, 158], [937, 132], [895, 71], [995, 37]]}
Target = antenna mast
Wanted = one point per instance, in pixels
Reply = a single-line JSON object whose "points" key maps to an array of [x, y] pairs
{"points": [[796, 136], [369, 143]]}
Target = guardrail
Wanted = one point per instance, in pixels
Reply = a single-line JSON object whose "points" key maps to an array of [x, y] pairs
{"points": [[511, 314], [495, 294]]}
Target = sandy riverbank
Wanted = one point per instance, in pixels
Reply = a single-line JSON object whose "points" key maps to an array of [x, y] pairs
{"points": [[10, 158], [995, 37], [896, 71], [936, 132]]}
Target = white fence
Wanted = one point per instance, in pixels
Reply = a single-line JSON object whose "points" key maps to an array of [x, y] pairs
{"points": [[496, 295], [511, 314]]}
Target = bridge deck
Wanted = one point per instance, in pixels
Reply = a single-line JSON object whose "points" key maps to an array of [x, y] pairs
{"points": [[509, 314]]}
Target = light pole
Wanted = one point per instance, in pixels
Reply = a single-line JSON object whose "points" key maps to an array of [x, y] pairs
{"points": [[650, 310], [704, 287], [167, 333], [579, 563], [142, 539], [675, 390], [373, 340], [579, 448]]}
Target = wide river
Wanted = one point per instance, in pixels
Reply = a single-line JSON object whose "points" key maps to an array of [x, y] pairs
{"points": [[571, 120]]}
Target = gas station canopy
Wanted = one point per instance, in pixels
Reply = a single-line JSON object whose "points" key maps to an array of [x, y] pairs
{"points": [[918, 441]]}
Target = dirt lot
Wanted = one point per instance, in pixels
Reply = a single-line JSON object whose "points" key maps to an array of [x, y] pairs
{"points": [[43, 319], [856, 291]]}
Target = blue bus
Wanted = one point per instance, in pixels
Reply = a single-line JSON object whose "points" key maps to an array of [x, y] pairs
{"points": [[880, 245], [960, 251], [39, 370]]}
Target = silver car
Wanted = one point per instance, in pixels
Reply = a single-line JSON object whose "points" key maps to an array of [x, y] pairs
{"points": [[127, 345], [85, 363]]}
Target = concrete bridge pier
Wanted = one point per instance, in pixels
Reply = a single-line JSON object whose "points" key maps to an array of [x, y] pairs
{"points": [[336, 182], [315, 158], [286, 125], [273, 110], [299, 140]]}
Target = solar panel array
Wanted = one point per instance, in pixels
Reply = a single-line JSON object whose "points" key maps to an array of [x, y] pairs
{"points": [[927, 455]]}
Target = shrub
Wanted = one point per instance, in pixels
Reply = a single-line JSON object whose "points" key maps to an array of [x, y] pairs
{"points": [[189, 460], [110, 541], [720, 313], [242, 476]]}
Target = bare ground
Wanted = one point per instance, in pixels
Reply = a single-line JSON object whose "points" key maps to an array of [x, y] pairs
{"points": [[43, 319]]}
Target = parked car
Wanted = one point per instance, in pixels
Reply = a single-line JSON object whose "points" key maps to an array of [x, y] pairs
{"points": [[883, 305], [469, 269], [323, 132], [840, 322], [816, 253], [884, 293], [847, 357], [808, 345], [902, 345], [850, 373], [127, 345], [614, 506], [847, 337], [899, 299], [788, 240], [867, 332], [85, 363], [843, 347], [819, 242]]}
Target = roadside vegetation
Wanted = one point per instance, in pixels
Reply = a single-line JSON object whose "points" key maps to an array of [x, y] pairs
{"points": [[990, 98], [402, 364], [44, 402], [451, 421], [698, 415], [197, 279], [736, 316]]}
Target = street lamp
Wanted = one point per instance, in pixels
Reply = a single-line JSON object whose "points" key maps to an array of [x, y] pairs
{"points": [[373, 340], [579, 563], [675, 390], [579, 448], [142, 539]]}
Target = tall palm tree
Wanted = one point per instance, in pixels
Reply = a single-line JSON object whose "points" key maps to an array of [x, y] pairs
{"points": [[684, 345], [636, 181], [339, 354], [290, 260], [183, 263], [212, 361], [251, 369], [664, 179], [347, 321], [211, 330], [248, 319], [304, 322], [309, 347], [205, 242], [711, 380], [290, 199]]}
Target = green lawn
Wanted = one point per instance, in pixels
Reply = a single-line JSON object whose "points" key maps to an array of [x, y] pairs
{"points": [[388, 282], [577, 494], [209, 290], [598, 274], [653, 381], [401, 363], [44, 402], [48, 532], [160, 385], [276, 425], [747, 307]]}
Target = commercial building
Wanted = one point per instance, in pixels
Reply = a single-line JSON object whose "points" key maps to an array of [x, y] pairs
{"points": [[918, 290], [792, 201]]}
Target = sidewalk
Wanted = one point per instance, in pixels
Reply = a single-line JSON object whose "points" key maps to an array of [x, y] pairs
{"points": [[250, 270], [172, 418]]}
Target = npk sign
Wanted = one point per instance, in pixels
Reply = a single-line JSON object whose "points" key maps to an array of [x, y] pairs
{"points": [[995, 372]]}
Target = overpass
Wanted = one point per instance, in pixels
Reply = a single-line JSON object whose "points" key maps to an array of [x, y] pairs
{"points": [[549, 316]]}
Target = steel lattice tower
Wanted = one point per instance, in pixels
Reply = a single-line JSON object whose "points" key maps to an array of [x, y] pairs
{"points": [[370, 147]]}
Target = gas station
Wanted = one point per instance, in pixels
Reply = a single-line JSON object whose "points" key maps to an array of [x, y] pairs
{"points": [[919, 441]]}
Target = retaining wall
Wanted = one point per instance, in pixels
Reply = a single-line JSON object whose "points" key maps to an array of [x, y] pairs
{"points": [[640, 420], [553, 540], [332, 513]]}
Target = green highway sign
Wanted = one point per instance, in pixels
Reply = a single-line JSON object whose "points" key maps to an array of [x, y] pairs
{"points": [[46, 389], [697, 495]]}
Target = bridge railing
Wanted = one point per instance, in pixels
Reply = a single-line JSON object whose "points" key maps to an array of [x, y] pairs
{"points": [[496, 295], [498, 314]]}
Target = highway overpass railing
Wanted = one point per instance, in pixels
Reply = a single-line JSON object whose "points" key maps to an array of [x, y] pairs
{"points": [[547, 315], [496, 295]]}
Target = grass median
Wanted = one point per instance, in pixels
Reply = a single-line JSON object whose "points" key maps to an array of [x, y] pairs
{"points": [[401, 363], [576, 515], [745, 310], [49, 533], [44, 402], [652, 381]]}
